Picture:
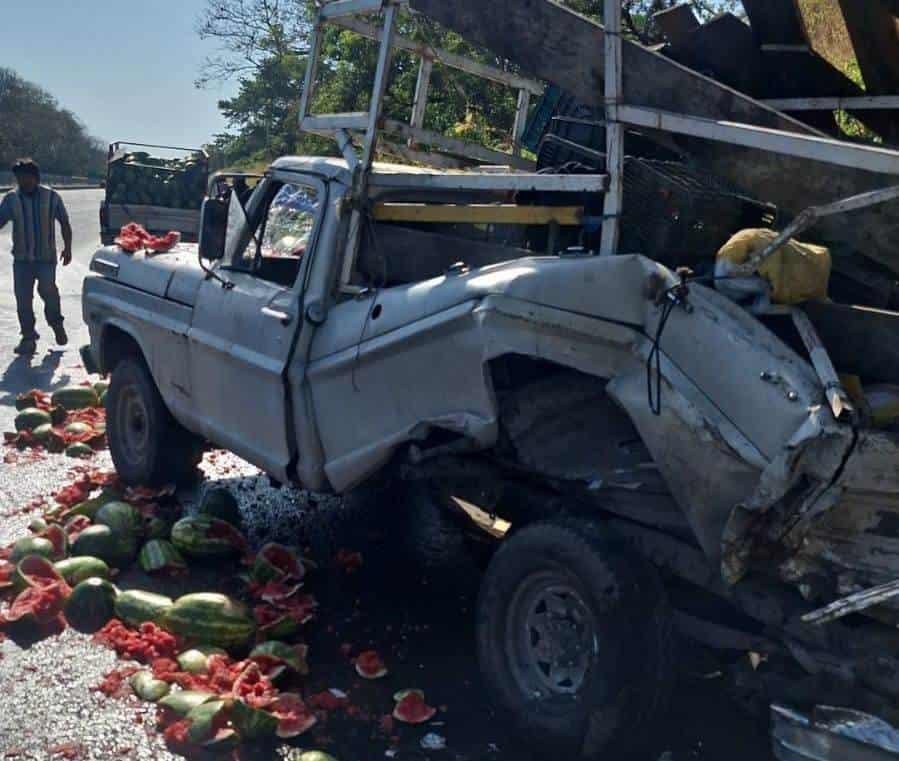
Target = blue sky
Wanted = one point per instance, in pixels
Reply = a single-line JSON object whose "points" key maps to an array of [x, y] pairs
{"points": [[125, 67]]}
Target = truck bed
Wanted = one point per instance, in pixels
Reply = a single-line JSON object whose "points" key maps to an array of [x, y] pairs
{"points": [[156, 219]]}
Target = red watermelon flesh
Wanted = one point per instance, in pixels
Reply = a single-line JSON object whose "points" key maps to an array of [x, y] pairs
{"points": [[277, 592], [294, 717], [370, 666], [7, 570], [75, 525], [253, 688], [39, 572], [41, 604], [224, 530], [59, 539], [284, 561], [412, 709]]}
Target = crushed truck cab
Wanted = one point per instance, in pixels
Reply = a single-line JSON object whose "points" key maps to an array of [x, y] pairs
{"points": [[698, 430]]}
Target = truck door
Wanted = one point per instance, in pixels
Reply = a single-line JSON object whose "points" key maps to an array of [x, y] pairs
{"points": [[244, 329]]}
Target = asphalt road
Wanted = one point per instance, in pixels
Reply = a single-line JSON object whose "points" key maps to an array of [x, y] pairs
{"points": [[49, 711]]}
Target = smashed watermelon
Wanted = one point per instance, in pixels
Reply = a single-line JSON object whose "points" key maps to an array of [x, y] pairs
{"points": [[370, 666], [412, 709], [294, 717], [133, 237]]}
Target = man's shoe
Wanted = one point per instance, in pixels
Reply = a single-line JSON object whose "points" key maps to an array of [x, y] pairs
{"points": [[62, 337], [26, 348]]}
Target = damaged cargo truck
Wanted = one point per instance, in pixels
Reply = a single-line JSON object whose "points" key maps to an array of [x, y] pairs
{"points": [[646, 449]]}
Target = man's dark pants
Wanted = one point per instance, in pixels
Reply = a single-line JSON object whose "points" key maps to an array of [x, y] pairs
{"points": [[25, 275]]}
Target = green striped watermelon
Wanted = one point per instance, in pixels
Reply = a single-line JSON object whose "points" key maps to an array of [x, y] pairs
{"points": [[212, 618], [77, 569], [75, 397], [136, 607], [91, 605]]}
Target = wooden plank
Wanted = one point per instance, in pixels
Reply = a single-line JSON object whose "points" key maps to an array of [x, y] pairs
{"points": [[413, 156], [874, 32], [554, 43], [339, 8], [776, 22], [327, 123], [478, 214], [521, 120], [492, 182], [677, 23], [445, 57], [551, 42], [420, 103]]}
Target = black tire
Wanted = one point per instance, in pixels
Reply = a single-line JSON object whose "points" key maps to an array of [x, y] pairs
{"points": [[148, 446], [418, 524], [601, 670]]}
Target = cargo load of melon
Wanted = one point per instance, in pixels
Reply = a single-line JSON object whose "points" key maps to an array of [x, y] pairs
{"points": [[141, 179], [210, 618]]}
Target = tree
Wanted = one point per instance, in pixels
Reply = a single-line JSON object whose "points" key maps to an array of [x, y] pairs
{"points": [[35, 125]]}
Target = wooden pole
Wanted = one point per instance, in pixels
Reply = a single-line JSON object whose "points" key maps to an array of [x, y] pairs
{"points": [[611, 226]]}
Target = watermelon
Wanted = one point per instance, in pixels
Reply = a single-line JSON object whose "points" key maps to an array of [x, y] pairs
{"points": [[31, 545], [274, 657], [37, 526], [159, 555], [212, 618], [31, 399], [77, 569], [253, 723], [79, 450], [136, 607], [183, 701], [75, 398], [370, 666], [121, 517], [205, 537], [91, 605], [43, 433], [149, 688], [196, 660], [294, 718], [220, 503], [36, 571], [60, 540], [275, 562], [412, 709], [316, 755], [126, 523], [31, 418], [78, 429], [37, 605], [90, 507], [98, 542], [156, 528], [204, 720], [58, 415]]}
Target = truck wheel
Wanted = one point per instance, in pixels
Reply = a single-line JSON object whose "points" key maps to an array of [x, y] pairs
{"points": [[147, 444], [575, 640]]}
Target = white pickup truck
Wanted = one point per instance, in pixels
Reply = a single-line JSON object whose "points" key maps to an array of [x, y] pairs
{"points": [[659, 455]]}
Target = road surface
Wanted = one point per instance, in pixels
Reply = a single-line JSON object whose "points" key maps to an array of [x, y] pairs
{"points": [[48, 709]]}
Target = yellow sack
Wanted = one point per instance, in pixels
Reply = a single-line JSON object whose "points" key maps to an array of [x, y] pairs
{"points": [[797, 271]]}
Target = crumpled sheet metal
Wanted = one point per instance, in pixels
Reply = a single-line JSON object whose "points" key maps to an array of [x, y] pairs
{"points": [[832, 734], [816, 453]]}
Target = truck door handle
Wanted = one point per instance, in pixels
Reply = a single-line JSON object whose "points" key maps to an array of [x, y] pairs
{"points": [[283, 317]]}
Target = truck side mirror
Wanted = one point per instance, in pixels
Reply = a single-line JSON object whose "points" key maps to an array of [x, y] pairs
{"points": [[213, 229]]}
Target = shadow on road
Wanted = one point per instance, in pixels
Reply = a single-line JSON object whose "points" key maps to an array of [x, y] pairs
{"points": [[23, 375]]}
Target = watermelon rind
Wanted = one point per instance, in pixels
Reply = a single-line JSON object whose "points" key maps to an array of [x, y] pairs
{"points": [[75, 397], [252, 723], [76, 569], [91, 605], [211, 618], [31, 418], [149, 688], [160, 555], [182, 702], [31, 545], [136, 607]]}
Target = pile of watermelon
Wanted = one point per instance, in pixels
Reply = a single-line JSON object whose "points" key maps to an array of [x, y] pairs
{"points": [[70, 420], [141, 179], [134, 237], [222, 670]]}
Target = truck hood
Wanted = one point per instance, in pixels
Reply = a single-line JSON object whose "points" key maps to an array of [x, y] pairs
{"points": [[174, 275]]}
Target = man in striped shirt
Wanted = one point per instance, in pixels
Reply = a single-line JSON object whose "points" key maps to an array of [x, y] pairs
{"points": [[34, 210]]}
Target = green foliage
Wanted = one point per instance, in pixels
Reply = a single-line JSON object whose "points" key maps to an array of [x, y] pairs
{"points": [[33, 124]]}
